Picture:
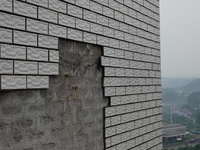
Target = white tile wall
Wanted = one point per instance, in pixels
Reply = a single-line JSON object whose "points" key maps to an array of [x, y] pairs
{"points": [[25, 67], [12, 51], [48, 68], [12, 21], [25, 9], [37, 82], [37, 54], [6, 5], [13, 82], [6, 66], [5, 35], [25, 38], [37, 26], [129, 32]]}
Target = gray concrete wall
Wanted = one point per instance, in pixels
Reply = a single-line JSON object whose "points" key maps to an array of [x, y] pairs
{"points": [[67, 116]]}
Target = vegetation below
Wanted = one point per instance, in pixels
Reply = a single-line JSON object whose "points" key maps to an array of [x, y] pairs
{"points": [[176, 119], [196, 147], [181, 105]]}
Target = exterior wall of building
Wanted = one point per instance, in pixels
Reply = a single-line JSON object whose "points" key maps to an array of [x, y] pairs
{"points": [[66, 116], [128, 31]]}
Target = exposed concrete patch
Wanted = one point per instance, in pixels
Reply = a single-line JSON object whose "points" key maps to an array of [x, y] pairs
{"points": [[67, 116]]}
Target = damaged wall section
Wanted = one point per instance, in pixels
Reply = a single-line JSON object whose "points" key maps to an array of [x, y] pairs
{"points": [[68, 115]]}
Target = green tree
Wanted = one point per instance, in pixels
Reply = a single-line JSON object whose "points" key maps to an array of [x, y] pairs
{"points": [[193, 101], [197, 117], [169, 95], [197, 147], [186, 148]]}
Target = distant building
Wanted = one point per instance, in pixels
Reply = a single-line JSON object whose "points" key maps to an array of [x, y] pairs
{"points": [[173, 132]]}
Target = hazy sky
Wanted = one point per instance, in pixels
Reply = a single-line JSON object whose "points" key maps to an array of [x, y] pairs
{"points": [[180, 38]]}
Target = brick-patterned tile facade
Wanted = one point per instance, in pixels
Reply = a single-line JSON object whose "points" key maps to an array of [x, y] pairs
{"points": [[128, 31]]}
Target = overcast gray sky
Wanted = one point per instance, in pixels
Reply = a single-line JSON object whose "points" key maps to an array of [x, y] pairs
{"points": [[180, 38]]}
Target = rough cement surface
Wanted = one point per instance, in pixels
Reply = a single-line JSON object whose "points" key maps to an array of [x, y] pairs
{"points": [[67, 116]]}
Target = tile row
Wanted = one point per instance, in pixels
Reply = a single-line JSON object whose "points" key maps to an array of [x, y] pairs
{"points": [[135, 139], [123, 109], [129, 99], [140, 126], [135, 51], [128, 81], [129, 117], [129, 90], [27, 38], [131, 55], [28, 67], [124, 72], [140, 61], [10, 51], [127, 68], [9, 82]]}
